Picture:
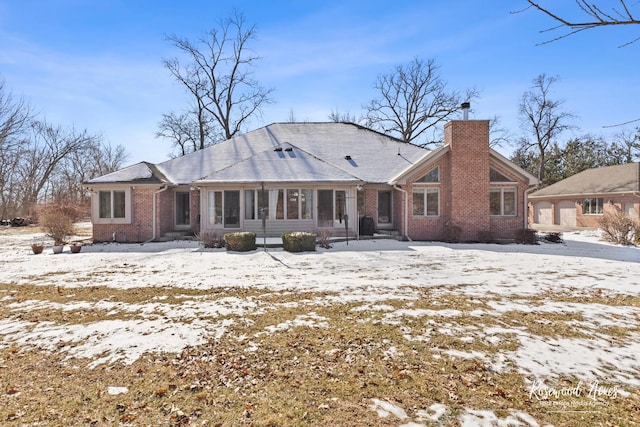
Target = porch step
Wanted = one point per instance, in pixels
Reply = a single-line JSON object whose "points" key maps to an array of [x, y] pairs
{"points": [[177, 235], [391, 234]]}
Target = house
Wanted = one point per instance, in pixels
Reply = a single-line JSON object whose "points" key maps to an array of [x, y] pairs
{"points": [[317, 176], [584, 198]]}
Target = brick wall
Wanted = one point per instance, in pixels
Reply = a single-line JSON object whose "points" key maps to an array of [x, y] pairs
{"points": [[611, 206], [469, 172], [464, 188], [617, 205], [431, 228], [141, 227]]}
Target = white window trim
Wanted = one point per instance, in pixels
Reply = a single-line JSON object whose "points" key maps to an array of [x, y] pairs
{"points": [[95, 207], [502, 191], [423, 189], [598, 205]]}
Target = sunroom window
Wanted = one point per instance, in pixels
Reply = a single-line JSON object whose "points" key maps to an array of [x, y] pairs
{"points": [[289, 203]]}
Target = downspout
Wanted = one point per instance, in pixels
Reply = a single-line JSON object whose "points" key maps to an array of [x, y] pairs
{"points": [[406, 211], [164, 188]]}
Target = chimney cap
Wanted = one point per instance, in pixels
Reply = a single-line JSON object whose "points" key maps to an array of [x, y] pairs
{"points": [[465, 105]]}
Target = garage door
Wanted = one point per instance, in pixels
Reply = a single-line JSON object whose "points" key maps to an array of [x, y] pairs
{"points": [[566, 213], [542, 213]]}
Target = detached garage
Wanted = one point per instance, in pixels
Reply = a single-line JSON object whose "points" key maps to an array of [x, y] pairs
{"points": [[543, 213], [583, 199], [566, 213]]}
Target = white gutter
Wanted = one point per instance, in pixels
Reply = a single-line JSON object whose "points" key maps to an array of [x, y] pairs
{"points": [[164, 188], [406, 211]]}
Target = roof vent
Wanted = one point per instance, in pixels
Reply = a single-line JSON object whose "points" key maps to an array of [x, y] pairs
{"points": [[347, 157], [288, 149], [277, 149]]}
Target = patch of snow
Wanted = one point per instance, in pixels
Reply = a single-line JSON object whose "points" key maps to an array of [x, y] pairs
{"points": [[433, 413], [310, 320], [114, 391], [385, 408], [476, 418]]}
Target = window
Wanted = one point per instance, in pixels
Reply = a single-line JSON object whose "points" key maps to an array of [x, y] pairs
{"points": [[223, 208], [592, 206], [495, 176], [112, 204], [426, 202], [250, 211], [291, 203], [432, 176], [332, 208], [215, 207], [306, 204], [276, 200], [502, 201]]}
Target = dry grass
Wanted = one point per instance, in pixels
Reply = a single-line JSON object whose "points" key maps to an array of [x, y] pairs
{"points": [[322, 374], [266, 371]]}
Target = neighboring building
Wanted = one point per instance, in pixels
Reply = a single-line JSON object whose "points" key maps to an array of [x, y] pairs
{"points": [[584, 198], [314, 176]]}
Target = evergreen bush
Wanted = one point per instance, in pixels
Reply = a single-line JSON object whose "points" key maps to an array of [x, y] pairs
{"points": [[240, 242], [299, 242]]}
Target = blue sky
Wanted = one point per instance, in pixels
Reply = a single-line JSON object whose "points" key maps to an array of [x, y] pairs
{"points": [[97, 64]]}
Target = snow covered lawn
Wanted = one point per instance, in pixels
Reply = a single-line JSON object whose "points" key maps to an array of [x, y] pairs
{"points": [[369, 333]]}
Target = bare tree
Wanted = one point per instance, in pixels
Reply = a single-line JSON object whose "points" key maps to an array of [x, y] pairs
{"points": [[187, 132], [542, 118], [50, 146], [219, 76], [14, 120], [338, 116], [594, 16], [413, 99], [498, 135], [626, 146], [96, 159]]}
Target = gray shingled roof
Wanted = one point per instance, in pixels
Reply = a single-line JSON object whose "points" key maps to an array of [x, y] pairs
{"points": [[320, 150], [285, 163], [604, 180], [140, 173]]}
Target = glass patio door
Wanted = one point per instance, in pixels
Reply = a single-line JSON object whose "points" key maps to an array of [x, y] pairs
{"points": [[232, 209], [384, 207]]}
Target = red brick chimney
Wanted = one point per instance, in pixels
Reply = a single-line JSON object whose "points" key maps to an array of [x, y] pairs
{"points": [[469, 165]]}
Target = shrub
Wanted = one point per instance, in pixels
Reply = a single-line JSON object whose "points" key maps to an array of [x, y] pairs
{"points": [[452, 233], [240, 242], [57, 222], [485, 237], [211, 239], [526, 236], [553, 237], [324, 238], [299, 242], [618, 228]]}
